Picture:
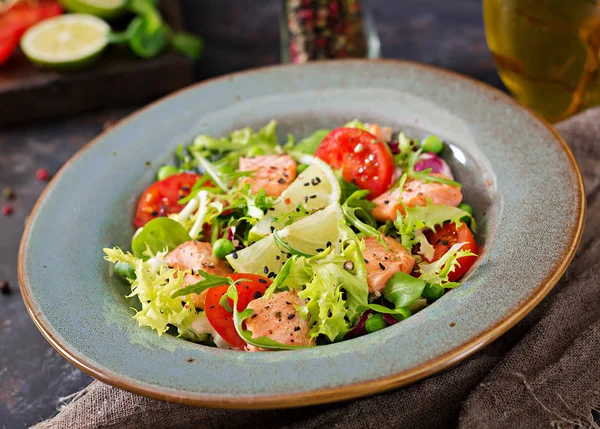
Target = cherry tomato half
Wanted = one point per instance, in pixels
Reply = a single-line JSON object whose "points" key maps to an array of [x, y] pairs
{"points": [[447, 236], [220, 319], [362, 158], [160, 198]]}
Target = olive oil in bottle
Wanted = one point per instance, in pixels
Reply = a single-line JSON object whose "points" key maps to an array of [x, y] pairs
{"points": [[547, 52]]}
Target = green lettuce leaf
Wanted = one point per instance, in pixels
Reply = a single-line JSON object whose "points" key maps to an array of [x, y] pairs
{"points": [[154, 286], [310, 144], [436, 273], [403, 289], [157, 235]]}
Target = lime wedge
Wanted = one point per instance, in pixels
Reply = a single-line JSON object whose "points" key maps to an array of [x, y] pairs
{"points": [[309, 235], [315, 188], [68, 41], [106, 9]]}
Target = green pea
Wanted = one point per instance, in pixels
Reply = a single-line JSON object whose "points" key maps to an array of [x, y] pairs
{"points": [[466, 207], [432, 144], [301, 168], [375, 322], [222, 247], [433, 292], [125, 270], [166, 171]]}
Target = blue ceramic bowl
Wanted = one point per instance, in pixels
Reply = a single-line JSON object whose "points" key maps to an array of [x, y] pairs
{"points": [[518, 174]]}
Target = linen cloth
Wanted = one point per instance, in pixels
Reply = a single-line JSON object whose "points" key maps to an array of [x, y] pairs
{"points": [[544, 372]]}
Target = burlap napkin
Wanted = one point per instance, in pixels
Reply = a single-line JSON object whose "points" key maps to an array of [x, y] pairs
{"points": [[544, 372]]}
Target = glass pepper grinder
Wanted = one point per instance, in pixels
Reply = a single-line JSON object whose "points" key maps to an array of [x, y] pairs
{"points": [[313, 30]]}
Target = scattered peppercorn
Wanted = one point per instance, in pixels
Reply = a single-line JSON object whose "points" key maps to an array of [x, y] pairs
{"points": [[8, 193], [42, 174], [4, 287], [7, 209]]}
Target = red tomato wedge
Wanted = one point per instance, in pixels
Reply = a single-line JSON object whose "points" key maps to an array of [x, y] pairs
{"points": [[362, 158], [8, 43], [447, 236], [220, 319], [160, 198], [18, 18]]}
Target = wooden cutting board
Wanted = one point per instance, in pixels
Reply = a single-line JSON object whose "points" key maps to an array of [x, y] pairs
{"points": [[118, 78]]}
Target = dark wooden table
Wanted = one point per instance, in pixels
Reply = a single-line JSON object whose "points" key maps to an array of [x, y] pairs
{"points": [[239, 34]]}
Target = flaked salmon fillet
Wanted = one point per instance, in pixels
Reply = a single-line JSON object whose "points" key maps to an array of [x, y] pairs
{"points": [[273, 173], [383, 264], [415, 193], [383, 133], [196, 255], [276, 317]]}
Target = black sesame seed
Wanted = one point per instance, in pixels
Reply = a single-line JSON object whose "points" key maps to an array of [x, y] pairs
{"points": [[386, 201], [320, 250], [263, 281], [272, 229], [315, 181], [297, 209], [271, 208], [291, 316], [313, 196], [271, 275], [278, 257], [328, 244], [381, 266], [265, 269], [257, 294], [234, 255], [366, 260], [297, 328], [306, 184], [281, 181]]}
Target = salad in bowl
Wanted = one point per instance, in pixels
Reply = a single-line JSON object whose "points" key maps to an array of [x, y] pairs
{"points": [[253, 244]]}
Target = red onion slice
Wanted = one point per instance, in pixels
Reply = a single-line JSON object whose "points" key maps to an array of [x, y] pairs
{"points": [[437, 164]]}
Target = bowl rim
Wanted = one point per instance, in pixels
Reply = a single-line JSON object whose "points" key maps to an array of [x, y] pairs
{"points": [[328, 394]]}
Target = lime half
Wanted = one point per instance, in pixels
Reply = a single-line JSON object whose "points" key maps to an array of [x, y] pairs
{"points": [[314, 189], [106, 9], [68, 41], [309, 235]]}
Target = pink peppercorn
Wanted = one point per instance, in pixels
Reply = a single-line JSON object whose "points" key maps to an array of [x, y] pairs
{"points": [[42, 174], [7, 209]]}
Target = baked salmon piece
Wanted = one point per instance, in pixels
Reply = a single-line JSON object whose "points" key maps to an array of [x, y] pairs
{"points": [[276, 317], [273, 173], [383, 133], [381, 264], [415, 193], [196, 255]]}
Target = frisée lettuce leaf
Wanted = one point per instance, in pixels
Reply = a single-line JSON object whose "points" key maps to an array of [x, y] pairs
{"points": [[436, 273], [153, 286]]}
